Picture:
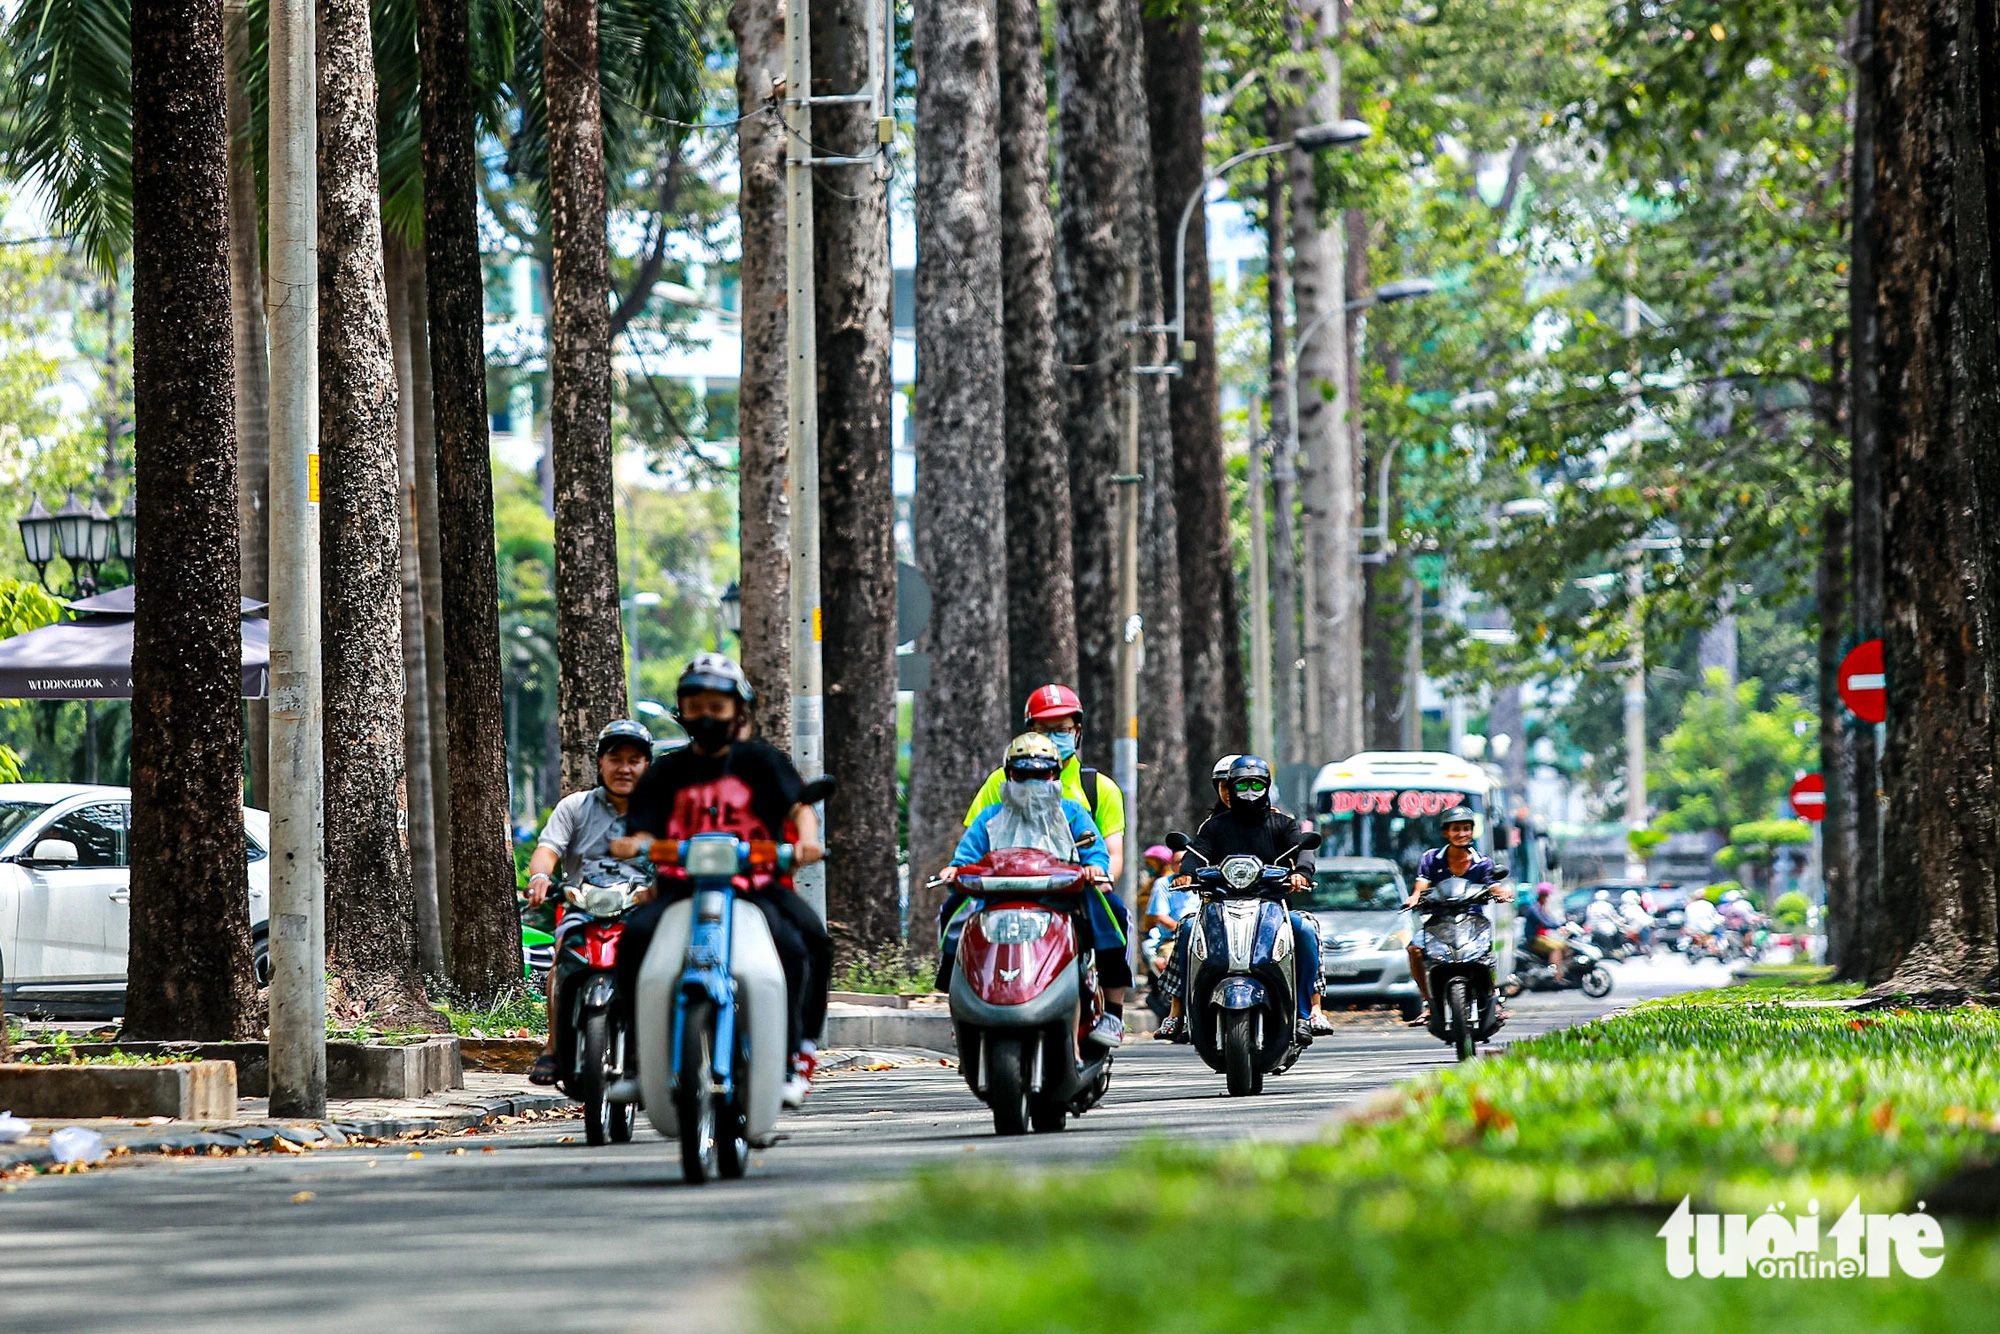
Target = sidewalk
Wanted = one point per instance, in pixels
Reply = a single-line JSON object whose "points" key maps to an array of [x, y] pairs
{"points": [[486, 1099]]}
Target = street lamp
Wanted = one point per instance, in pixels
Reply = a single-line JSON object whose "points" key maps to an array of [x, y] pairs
{"points": [[731, 603], [1312, 138], [84, 537]]}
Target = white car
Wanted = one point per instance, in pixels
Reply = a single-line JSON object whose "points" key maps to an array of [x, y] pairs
{"points": [[66, 895]]}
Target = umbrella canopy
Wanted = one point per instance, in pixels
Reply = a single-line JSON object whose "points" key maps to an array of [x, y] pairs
{"points": [[91, 657]]}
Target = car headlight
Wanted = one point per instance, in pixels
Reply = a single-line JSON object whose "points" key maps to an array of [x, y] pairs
{"points": [[1014, 926], [1241, 872], [1394, 940], [604, 901]]}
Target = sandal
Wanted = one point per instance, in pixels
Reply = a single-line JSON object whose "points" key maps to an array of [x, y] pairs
{"points": [[544, 1069]]}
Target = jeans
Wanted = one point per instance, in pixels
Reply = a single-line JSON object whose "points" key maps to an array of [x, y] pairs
{"points": [[1305, 940]]}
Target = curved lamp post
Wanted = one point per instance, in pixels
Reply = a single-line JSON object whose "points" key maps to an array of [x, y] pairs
{"points": [[84, 537]]}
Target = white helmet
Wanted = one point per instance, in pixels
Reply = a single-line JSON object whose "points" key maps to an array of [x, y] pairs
{"points": [[1601, 896], [1732, 896], [1220, 773], [1629, 896]]}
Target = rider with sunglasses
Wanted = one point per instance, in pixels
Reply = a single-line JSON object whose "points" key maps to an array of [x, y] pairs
{"points": [[1252, 826]]}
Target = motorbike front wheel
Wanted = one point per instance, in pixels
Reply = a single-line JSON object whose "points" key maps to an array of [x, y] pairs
{"points": [[1007, 1086], [1596, 983], [599, 1064], [1458, 1017], [694, 1103], [1239, 1053]]}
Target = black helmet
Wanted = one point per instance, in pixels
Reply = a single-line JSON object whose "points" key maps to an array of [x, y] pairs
{"points": [[621, 732], [1254, 773], [1458, 815], [714, 671]]}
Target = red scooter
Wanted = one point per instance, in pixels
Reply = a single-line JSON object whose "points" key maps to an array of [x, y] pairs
{"points": [[1024, 993]]}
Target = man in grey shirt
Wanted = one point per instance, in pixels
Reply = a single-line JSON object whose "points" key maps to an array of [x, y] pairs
{"points": [[580, 829]]}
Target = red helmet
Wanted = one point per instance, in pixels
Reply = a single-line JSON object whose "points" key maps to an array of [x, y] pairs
{"points": [[1052, 702]]}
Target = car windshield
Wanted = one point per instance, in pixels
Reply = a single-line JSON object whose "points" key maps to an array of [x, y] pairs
{"points": [[1353, 891], [14, 814]]}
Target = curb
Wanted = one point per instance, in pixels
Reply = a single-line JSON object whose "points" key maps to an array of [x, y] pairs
{"points": [[259, 1135]]}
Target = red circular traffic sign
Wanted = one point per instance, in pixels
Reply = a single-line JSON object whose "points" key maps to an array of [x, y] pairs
{"points": [[1864, 684], [1808, 798]]}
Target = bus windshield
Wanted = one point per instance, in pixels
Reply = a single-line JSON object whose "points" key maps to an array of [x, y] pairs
{"points": [[1399, 825]]}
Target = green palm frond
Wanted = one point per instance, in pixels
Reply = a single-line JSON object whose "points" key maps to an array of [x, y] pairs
{"points": [[66, 116]]}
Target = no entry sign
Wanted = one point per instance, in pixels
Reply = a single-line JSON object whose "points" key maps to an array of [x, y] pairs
{"points": [[1864, 687], [1808, 798]]}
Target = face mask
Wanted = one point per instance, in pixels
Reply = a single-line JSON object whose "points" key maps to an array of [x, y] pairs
{"points": [[709, 733], [1065, 745]]}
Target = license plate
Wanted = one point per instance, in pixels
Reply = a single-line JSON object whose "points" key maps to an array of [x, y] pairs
{"points": [[1342, 972]]}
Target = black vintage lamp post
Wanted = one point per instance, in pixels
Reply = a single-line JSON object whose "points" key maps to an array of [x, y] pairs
{"points": [[84, 538]]}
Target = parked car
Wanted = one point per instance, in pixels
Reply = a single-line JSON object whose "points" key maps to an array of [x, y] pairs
{"points": [[1362, 932], [66, 893]]}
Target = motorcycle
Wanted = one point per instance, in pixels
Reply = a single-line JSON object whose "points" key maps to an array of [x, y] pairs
{"points": [[1024, 993], [1241, 968], [1155, 953], [1457, 945], [1583, 970], [1620, 943], [590, 1037], [712, 1012]]}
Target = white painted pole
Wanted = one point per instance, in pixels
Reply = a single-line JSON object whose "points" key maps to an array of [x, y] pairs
{"points": [[1261, 694], [802, 393], [298, 903], [1131, 642]]}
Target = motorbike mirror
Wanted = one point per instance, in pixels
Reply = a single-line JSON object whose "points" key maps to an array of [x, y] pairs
{"points": [[1500, 869], [1309, 840], [1176, 840], [813, 793]]}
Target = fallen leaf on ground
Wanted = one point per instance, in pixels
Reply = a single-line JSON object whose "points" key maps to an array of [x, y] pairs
{"points": [[304, 1197], [416, 1153]]}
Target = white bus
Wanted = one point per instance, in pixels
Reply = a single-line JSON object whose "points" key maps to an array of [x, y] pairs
{"points": [[1389, 803]]}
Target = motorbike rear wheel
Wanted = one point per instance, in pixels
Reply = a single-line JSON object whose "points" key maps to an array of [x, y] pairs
{"points": [[1239, 1054], [694, 1103], [1458, 1018], [597, 1069], [1007, 1086], [1596, 983]]}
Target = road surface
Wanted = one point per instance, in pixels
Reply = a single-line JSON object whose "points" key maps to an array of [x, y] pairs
{"points": [[542, 1235]]}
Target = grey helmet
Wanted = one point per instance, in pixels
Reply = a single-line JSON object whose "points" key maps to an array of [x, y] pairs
{"points": [[1459, 815], [623, 731]]}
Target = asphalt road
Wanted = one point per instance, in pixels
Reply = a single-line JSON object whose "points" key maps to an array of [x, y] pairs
{"points": [[541, 1235]]}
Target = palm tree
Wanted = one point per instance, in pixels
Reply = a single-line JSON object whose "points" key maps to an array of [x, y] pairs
{"points": [[190, 961]]}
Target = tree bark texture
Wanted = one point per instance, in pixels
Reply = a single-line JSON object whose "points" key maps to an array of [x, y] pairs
{"points": [[1864, 960], [430, 558], [1284, 460], [1211, 648], [253, 377], [1327, 499], [1041, 603], [961, 447], [857, 498], [371, 929], [590, 637], [190, 962], [1093, 185], [764, 510], [1836, 865], [485, 945], [1164, 786], [1938, 181], [419, 811]]}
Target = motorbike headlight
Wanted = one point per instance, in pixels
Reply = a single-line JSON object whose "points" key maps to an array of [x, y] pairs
{"points": [[604, 901], [1014, 926], [1241, 872], [709, 856]]}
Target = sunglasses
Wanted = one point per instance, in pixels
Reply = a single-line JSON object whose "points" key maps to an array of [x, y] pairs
{"points": [[1250, 787]]}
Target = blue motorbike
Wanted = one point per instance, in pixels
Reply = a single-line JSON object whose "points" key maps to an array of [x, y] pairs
{"points": [[1242, 983]]}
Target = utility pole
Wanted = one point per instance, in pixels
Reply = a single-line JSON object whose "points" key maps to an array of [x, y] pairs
{"points": [[1635, 708], [802, 390], [1261, 739], [298, 886], [1413, 665], [1131, 642]]}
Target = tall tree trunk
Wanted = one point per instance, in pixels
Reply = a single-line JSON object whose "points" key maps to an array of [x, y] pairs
{"points": [[371, 933], [1938, 174], [420, 813], [961, 448], [485, 925], [1836, 866], [856, 496], [190, 961], [253, 377], [1211, 652], [590, 635], [1284, 462], [1866, 959], [1319, 277], [764, 509], [1041, 604], [1093, 183], [1164, 786], [430, 557]]}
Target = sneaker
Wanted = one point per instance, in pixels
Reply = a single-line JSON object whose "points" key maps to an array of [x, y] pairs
{"points": [[625, 1092], [1302, 1031], [1169, 1029], [804, 1066], [1109, 1032]]}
